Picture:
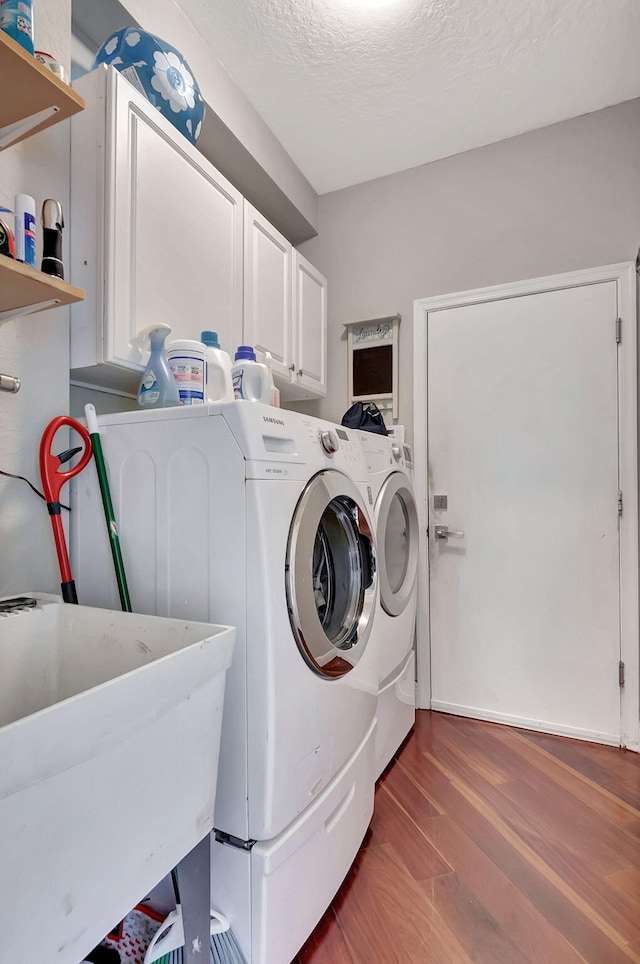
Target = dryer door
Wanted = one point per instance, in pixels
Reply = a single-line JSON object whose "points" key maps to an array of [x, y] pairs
{"points": [[398, 532], [331, 574]]}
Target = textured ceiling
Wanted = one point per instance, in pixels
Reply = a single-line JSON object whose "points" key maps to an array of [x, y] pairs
{"points": [[355, 89]]}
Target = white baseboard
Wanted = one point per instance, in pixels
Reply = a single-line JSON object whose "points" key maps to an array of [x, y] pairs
{"points": [[592, 736]]}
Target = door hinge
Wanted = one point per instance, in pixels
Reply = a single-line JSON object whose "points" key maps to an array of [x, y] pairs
{"points": [[619, 501], [618, 330], [620, 673]]}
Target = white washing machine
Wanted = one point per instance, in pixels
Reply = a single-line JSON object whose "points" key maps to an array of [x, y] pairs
{"points": [[249, 516], [397, 533]]}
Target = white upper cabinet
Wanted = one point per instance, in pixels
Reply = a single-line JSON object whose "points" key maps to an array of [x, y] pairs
{"points": [[156, 234], [267, 291], [285, 309], [310, 328], [159, 235]]}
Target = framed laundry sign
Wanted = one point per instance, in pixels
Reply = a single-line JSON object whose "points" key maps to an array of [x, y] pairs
{"points": [[373, 363]]}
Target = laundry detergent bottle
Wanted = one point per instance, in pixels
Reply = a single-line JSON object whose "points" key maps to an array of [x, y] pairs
{"points": [[252, 381], [219, 379], [158, 388], [275, 392]]}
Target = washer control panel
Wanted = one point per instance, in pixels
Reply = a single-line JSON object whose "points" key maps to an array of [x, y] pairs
{"points": [[325, 444], [328, 441]]}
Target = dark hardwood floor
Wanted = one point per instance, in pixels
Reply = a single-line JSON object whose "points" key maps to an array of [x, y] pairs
{"points": [[493, 845]]}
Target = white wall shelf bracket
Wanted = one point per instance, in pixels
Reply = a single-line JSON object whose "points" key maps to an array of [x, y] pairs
{"points": [[13, 132], [28, 309]]}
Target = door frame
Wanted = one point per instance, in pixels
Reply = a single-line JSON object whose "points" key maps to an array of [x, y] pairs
{"points": [[624, 275]]}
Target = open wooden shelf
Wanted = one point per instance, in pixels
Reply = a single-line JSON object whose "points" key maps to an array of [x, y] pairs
{"points": [[27, 88], [23, 288]]}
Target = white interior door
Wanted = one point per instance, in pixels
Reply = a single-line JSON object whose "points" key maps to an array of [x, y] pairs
{"points": [[523, 445]]}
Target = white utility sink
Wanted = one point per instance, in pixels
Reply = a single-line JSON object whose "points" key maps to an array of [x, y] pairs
{"points": [[109, 739]]}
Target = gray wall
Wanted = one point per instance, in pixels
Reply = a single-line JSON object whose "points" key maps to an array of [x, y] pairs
{"points": [[557, 199], [36, 348], [106, 403]]}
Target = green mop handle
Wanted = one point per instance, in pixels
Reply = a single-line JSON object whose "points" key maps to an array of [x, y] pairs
{"points": [[109, 514]]}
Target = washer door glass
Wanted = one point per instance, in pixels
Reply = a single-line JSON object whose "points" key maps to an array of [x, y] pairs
{"points": [[331, 574], [397, 543]]}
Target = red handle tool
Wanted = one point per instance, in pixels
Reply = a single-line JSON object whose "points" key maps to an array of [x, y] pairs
{"points": [[52, 481]]}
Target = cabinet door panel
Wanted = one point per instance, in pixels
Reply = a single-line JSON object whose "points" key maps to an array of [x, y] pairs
{"points": [[267, 290], [176, 236], [310, 314]]}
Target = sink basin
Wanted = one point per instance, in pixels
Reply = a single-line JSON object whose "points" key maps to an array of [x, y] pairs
{"points": [[109, 738]]}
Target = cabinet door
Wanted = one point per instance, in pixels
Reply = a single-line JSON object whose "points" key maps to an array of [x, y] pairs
{"points": [[267, 290], [174, 233], [310, 326]]}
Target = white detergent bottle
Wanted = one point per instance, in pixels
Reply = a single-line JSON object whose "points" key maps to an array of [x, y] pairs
{"points": [[252, 381], [219, 379], [188, 363], [275, 392]]}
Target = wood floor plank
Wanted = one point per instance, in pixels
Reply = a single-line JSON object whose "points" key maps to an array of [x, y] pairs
{"points": [[474, 748], [578, 854], [596, 844], [633, 829], [497, 846], [546, 809], [580, 871], [473, 925], [616, 770], [388, 920], [392, 824], [573, 919], [626, 882], [521, 757], [536, 937], [598, 798], [558, 864], [562, 831], [327, 944], [414, 801]]}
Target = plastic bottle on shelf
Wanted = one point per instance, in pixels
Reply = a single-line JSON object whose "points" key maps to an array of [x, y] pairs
{"points": [[252, 380], [219, 379], [158, 387], [188, 363], [25, 208], [16, 19]]}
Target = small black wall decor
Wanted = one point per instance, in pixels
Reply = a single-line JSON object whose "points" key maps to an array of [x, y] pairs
{"points": [[373, 363]]}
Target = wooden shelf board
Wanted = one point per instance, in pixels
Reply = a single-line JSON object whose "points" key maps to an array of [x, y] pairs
{"points": [[28, 87], [21, 286]]}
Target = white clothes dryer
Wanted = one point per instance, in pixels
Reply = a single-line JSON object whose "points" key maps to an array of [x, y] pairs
{"points": [[249, 515], [390, 469]]}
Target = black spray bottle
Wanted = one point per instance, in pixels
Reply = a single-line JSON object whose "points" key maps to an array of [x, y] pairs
{"points": [[52, 224]]}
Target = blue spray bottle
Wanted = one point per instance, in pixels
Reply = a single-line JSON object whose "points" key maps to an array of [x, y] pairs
{"points": [[158, 387]]}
